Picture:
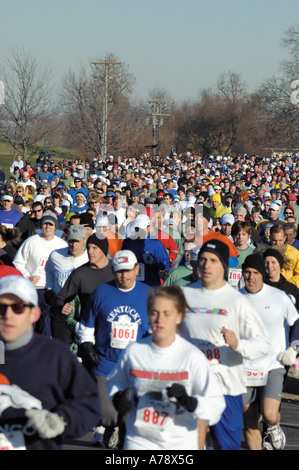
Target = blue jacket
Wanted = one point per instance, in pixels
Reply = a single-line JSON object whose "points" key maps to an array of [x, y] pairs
{"points": [[72, 192], [152, 257], [114, 318]]}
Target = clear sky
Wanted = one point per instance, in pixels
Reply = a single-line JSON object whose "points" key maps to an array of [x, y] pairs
{"points": [[180, 46]]}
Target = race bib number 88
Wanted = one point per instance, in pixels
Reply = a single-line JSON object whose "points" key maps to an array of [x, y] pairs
{"points": [[212, 353]]}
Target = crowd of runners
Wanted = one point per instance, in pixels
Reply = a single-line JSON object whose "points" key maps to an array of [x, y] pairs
{"points": [[150, 300]]}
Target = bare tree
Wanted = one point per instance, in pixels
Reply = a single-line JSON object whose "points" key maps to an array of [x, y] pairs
{"points": [[275, 97], [84, 97], [215, 122], [290, 41], [231, 93], [27, 111]]}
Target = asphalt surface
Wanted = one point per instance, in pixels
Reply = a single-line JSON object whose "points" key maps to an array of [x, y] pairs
{"points": [[290, 412], [289, 420]]}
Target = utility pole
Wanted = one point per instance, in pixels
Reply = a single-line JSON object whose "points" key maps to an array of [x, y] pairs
{"points": [[156, 117], [104, 139]]}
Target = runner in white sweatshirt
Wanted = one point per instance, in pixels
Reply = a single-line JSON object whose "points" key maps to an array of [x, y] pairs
{"points": [[164, 382], [63, 261], [31, 260], [265, 376], [222, 323]]}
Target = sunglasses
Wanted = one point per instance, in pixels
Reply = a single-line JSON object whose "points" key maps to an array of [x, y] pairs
{"points": [[16, 308], [36, 211]]}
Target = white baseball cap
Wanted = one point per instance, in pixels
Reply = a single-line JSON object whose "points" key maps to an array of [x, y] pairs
{"points": [[142, 221], [274, 206], [19, 286], [7, 197], [102, 221], [124, 259], [227, 219], [65, 203]]}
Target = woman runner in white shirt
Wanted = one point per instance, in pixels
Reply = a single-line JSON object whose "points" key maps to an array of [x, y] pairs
{"points": [[163, 382]]}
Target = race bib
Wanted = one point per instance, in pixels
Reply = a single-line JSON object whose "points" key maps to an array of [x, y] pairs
{"points": [[234, 276], [123, 334], [211, 352], [218, 356], [42, 265], [254, 378], [12, 441], [154, 417]]}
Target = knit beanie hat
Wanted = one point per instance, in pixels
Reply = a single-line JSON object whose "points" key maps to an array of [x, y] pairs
{"points": [[102, 243], [276, 254], [216, 197], [290, 207], [217, 247], [6, 270], [255, 261]]}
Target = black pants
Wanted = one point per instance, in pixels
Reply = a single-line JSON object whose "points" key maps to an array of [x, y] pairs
{"points": [[43, 325]]}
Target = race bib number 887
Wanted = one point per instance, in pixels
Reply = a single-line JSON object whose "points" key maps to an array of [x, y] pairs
{"points": [[153, 417]]}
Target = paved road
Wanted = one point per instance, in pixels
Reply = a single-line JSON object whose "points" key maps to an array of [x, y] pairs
{"points": [[289, 419], [290, 412]]}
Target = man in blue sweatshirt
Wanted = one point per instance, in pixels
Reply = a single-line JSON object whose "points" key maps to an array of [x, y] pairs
{"points": [[115, 315], [46, 395]]}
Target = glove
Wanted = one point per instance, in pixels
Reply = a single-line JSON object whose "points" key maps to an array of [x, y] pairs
{"points": [[288, 357], [178, 391], [88, 354], [122, 401], [48, 425]]}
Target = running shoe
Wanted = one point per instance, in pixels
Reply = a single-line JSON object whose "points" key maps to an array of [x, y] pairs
{"points": [[275, 438]]}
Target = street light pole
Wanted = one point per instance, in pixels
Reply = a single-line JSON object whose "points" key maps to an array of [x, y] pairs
{"points": [[157, 105]]}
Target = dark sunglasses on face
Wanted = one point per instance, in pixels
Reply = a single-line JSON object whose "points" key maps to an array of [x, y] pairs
{"points": [[16, 308]]}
